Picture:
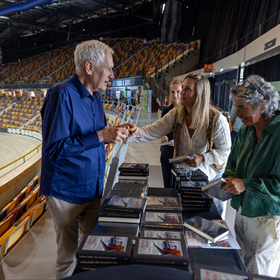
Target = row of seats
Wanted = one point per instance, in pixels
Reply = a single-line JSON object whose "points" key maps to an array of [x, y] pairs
{"points": [[59, 65], [13, 72], [118, 110], [20, 214], [25, 113]]}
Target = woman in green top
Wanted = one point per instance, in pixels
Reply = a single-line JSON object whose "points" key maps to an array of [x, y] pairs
{"points": [[253, 175]]}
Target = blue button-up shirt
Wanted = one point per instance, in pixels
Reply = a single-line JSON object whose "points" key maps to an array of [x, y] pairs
{"points": [[73, 159]]}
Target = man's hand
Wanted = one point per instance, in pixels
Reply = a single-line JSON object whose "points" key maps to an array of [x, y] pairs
{"points": [[112, 134], [196, 161], [132, 129], [164, 139], [234, 185]]}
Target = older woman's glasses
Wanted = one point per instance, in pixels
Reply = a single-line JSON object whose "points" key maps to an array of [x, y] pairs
{"points": [[253, 87]]}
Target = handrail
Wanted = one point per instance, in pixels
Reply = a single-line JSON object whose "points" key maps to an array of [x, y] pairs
{"points": [[20, 157]]}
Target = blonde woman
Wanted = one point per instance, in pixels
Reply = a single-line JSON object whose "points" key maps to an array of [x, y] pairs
{"points": [[168, 150], [198, 128]]}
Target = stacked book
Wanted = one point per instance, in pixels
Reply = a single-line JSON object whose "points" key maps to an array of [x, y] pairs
{"points": [[162, 241], [134, 172], [125, 203], [103, 250], [193, 198]]}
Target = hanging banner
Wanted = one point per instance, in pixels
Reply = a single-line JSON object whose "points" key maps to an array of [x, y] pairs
{"points": [[143, 100], [128, 93], [149, 101]]}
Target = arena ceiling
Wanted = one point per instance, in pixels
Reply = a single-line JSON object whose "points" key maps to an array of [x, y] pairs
{"points": [[50, 23]]}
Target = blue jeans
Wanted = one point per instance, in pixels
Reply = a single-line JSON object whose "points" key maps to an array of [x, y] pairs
{"points": [[166, 154]]}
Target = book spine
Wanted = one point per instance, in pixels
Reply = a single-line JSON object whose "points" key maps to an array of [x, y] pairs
{"points": [[134, 173], [117, 215], [162, 261], [133, 170], [89, 262], [97, 259], [128, 210], [195, 209], [163, 208], [161, 226]]}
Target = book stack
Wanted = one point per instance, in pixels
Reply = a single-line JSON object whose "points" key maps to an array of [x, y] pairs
{"points": [[164, 204], [134, 172], [163, 210], [160, 252], [103, 250], [123, 206], [193, 198]]}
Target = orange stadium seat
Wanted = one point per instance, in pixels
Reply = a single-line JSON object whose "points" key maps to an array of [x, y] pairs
{"points": [[11, 237]]}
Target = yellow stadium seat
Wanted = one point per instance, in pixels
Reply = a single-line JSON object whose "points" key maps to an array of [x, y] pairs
{"points": [[10, 238], [6, 224]]}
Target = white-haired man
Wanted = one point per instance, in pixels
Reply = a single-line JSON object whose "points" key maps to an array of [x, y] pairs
{"points": [[73, 153]]}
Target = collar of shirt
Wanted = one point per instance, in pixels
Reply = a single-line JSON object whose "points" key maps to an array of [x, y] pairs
{"points": [[82, 89], [270, 128]]}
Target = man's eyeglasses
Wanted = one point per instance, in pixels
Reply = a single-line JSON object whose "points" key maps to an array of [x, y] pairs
{"points": [[253, 87]]}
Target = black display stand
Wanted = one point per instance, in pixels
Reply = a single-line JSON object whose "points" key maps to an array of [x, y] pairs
{"points": [[135, 272]]}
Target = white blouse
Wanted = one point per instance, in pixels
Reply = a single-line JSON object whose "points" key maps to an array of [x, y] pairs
{"points": [[197, 144]]}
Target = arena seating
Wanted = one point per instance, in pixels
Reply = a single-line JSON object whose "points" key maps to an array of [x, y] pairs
{"points": [[132, 57], [18, 216], [21, 112]]}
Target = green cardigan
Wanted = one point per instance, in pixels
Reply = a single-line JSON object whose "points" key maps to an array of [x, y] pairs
{"points": [[258, 164]]}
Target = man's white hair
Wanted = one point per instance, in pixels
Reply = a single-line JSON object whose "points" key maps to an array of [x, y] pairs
{"points": [[90, 50]]}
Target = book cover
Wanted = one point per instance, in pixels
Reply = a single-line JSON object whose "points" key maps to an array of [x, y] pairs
{"points": [[124, 204], [134, 167], [160, 251], [180, 159], [227, 259], [167, 143], [206, 228], [162, 220], [101, 247], [214, 189], [161, 203], [162, 234], [213, 273], [127, 193]]}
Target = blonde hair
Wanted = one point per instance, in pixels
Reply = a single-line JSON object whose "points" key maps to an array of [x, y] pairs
{"points": [[200, 111], [174, 82]]}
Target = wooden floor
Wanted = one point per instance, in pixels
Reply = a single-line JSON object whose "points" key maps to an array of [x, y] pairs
{"points": [[34, 257], [13, 147]]}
